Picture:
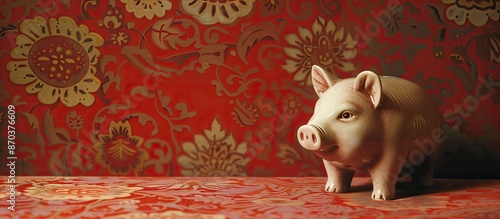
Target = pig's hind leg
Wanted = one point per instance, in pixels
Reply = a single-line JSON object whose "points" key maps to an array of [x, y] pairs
{"points": [[424, 174], [339, 179]]}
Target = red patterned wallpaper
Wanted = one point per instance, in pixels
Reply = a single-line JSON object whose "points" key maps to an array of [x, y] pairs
{"points": [[219, 88]]}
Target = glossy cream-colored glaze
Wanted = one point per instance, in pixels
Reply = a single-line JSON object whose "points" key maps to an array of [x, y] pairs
{"points": [[375, 124]]}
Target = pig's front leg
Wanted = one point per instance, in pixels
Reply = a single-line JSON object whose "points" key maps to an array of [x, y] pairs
{"points": [[384, 177], [339, 179]]}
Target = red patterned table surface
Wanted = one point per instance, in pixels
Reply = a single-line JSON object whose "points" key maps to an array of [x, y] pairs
{"points": [[239, 197]]}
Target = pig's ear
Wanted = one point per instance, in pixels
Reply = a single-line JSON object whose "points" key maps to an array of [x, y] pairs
{"points": [[369, 83], [321, 79]]}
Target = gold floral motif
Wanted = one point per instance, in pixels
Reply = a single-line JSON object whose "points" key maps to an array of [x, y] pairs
{"points": [[120, 151], [112, 18], [56, 60], [292, 105], [215, 154], [217, 11], [271, 4], [270, 7], [79, 192], [147, 8], [120, 38], [325, 44], [74, 121], [477, 12]]}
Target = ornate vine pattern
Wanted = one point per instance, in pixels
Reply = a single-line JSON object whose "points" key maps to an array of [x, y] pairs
{"points": [[168, 88]]}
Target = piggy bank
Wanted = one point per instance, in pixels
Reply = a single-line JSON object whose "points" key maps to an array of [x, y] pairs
{"points": [[379, 125]]}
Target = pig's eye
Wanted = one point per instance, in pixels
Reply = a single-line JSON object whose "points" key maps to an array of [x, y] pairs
{"points": [[346, 115]]}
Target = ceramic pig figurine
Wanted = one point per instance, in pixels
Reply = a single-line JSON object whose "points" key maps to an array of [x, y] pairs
{"points": [[374, 124]]}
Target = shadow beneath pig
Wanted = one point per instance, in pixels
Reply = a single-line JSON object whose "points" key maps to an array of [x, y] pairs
{"points": [[411, 189]]}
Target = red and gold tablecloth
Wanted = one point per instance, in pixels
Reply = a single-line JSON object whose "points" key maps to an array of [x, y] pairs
{"points": [[239, 197]]}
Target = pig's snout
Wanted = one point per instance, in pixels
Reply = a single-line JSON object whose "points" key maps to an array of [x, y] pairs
{"points": [[311, 137]]}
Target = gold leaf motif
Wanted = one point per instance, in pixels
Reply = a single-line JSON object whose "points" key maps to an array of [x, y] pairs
{"points": [[215, 133], [255, 34], [215, 154]]}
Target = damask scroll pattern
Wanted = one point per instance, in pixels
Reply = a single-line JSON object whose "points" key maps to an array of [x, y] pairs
{"points": [[133, 89]]}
